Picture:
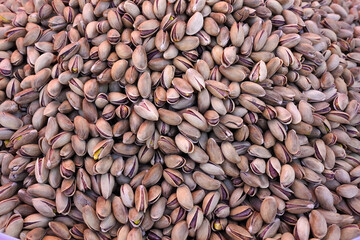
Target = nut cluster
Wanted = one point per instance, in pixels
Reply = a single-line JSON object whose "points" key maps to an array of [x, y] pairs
{"points": [[180, 119]]}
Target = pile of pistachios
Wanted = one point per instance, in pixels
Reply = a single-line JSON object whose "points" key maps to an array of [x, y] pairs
{"points": [[180, 119]]}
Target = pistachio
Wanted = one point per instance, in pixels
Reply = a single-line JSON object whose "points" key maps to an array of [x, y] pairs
{"points": [[179, 119]]}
